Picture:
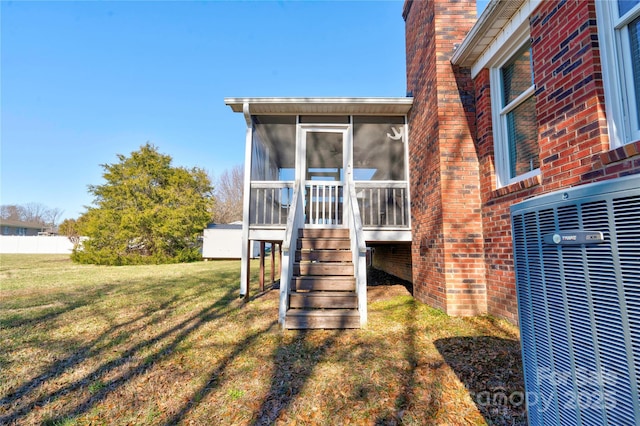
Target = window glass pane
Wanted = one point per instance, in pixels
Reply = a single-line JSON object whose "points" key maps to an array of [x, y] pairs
{"points": [[634, 35], [517, 76], [378, 148], [625, 6], [522, 134], [273, 148]]}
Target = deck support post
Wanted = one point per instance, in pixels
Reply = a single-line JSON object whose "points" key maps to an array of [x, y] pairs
{"points": [[261, 265], [273, 263]]}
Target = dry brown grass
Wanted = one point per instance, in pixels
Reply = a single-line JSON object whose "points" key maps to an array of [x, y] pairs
{"points": [[173, 344]]}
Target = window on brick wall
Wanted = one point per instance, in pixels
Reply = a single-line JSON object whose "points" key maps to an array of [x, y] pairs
{"points": [[619, 37], [514, 110]]}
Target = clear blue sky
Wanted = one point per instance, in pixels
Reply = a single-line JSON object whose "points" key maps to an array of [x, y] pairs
{"points": [[83, 81]]}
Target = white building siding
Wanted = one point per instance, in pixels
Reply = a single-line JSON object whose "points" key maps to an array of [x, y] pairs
{"points": [[225, 243]]}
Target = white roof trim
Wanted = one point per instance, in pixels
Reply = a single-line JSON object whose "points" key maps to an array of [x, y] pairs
{"points": [[336, 106], [498, 23]]}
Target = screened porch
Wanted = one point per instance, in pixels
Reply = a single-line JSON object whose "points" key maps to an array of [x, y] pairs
{"points": [[324, 178], [324, 152]]}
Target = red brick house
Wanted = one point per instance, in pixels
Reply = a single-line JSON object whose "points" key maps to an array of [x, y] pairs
{"points": [[529, 98]]}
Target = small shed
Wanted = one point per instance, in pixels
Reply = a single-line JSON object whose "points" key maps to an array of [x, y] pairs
{"points": [[224, 241]]}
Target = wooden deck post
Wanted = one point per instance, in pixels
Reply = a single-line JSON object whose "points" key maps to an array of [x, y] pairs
{"points": [[261, 265], [273, 263], [280, 260]]}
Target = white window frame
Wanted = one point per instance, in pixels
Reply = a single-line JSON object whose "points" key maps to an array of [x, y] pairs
{"points": [[500, 134], [617, 73]]}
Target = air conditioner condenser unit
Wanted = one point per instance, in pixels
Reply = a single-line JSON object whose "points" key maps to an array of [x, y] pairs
{"points": [[577, 266]]}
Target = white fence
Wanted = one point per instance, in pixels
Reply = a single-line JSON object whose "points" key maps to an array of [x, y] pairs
{"points": [[35, 245]]}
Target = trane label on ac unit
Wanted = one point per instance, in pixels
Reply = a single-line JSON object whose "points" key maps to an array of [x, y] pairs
{"points": [[572, 238]]}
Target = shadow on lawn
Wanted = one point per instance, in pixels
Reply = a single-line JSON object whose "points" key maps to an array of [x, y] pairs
{"points": [[215, 377], [293, 364], [409, 376], [172, 336], [293, 367], [406, 397], [66, 302], [491, 370], [61, 366]]}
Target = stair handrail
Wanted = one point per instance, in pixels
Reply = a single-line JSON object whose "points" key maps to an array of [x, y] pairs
{"points": [[358, 252], [288, 255]]}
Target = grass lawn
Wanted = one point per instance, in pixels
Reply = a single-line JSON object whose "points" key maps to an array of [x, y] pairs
{"points": [[171, 344]]}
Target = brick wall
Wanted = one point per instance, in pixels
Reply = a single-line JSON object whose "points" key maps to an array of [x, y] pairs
{"points": [[574, 143], [570, 96], [394, 259], [572, 134], [447, 249], [426, 250], [461, 222]]}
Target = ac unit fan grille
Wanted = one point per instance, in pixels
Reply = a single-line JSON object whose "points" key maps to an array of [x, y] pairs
{"points": [[579, 307]]}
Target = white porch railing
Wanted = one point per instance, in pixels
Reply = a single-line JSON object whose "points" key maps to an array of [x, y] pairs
{"points": [[323, 203], [270, 203], [294, 221], [383, 204], [359, 253]]}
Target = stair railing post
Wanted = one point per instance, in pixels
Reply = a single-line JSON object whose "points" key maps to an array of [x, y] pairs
{"points": [[359, 253], [288, 252]]}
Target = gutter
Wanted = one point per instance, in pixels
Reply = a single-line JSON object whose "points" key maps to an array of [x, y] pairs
{"points": [[465, 55]]}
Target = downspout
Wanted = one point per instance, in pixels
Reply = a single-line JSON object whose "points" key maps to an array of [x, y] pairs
{"points": [[246, 257]]}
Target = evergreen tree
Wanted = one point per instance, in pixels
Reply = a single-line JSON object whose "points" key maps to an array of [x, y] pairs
{"points": [[147, 211]]}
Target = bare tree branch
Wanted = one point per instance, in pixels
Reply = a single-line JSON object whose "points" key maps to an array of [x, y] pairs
{"points": [[228, 195], [31, 212]]}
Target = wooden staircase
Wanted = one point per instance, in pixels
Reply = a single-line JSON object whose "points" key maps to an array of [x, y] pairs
{"points": [[323, 286]]}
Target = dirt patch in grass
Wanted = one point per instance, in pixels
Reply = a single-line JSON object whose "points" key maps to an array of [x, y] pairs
{"points": [[174, 344]]}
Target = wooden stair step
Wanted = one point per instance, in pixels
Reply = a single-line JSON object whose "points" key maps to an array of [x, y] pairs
{"points": [[323, 269], [322, 284], [322, 318], [311, 283], [324, 243], [330, 299], [323, 233], [324, 255]]}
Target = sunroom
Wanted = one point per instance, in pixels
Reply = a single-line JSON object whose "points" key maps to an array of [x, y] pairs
{"points": [[324, 177]]}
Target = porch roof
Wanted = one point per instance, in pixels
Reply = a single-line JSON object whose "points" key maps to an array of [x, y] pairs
{"points": [[333, 106]]}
